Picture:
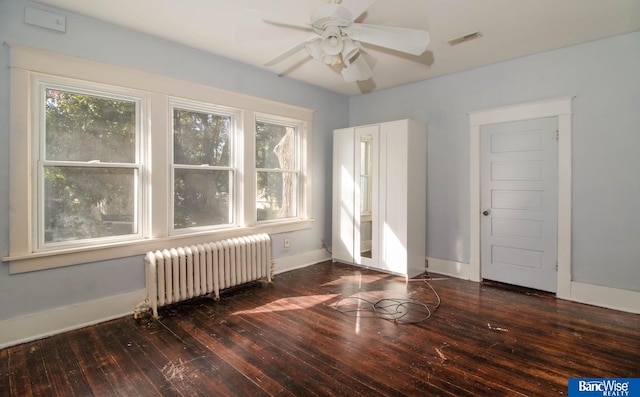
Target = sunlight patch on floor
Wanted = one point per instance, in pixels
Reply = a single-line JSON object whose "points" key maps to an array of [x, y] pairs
{"points": [[290, 303], [359, 278]]}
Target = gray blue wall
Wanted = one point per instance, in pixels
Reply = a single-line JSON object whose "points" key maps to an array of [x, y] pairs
{"points": [[604, 76], [39, 291]]}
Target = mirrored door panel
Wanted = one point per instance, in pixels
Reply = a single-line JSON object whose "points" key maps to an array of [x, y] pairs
{"points": [[366, 196], [366, 203]]}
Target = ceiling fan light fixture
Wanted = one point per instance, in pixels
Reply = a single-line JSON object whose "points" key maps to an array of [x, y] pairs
{"points": [[317, 51], [357, 70], [356, 67], [349, 50], [332, 45]]}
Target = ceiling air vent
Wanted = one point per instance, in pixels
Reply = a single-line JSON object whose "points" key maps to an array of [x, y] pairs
{"points": [[465, 38]]}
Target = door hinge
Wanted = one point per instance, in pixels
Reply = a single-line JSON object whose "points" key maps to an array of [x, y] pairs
{"points": [[556, 265], [558, 135]]}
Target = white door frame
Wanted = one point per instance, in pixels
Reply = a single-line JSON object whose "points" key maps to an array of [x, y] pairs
{"points": [[560, 108]]}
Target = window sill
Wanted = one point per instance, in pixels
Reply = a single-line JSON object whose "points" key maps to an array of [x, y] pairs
{"points": [[22, 263]]}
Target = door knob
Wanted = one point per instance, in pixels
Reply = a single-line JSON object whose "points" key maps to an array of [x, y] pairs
{"points": [[485, 212]]}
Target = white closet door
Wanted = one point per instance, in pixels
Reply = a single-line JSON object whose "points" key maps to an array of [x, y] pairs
{"points": [[403, 192], [343, 230], [393, 201], [416, 198]]}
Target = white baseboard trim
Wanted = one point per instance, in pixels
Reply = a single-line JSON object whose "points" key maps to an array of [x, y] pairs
{"points": [[564, 285], [40, 325], [299, 261], [449, 268], [611, 298]]}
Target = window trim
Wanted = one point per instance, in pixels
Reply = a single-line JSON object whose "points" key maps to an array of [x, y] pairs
{"points": [[27, 64]]}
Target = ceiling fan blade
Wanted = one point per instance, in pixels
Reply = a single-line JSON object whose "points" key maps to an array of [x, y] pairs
{"points": [[411, 41], [357, 7], [290, 51], [287, 24]]}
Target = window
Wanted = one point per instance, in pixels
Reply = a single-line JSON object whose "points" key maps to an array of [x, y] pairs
{"points": [[277, 170], [108, 162], [203, 167], [88, 167]]}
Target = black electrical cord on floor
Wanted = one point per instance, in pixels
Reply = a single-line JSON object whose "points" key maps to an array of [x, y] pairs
{"points": [[399, 310]]}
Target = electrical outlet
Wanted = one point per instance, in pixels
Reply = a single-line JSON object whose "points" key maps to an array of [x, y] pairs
{"points": [[426, 263], [286, 242]]}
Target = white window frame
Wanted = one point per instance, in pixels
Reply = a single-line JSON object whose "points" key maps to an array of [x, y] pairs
{"points": [[234, 136], [28, 65], [299, 194], [41, 84]]}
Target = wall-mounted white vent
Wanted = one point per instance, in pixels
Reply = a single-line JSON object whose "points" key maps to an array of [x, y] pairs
{"points": [[45, 19]]}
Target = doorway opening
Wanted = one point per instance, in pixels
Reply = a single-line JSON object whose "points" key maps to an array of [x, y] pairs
{"points": [[560, 108]]}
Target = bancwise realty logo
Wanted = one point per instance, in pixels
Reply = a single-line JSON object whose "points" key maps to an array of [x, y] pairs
{"points": [[619, 387]]}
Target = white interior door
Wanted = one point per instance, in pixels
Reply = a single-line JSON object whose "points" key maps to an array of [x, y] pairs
{"points": [[519, 201]]}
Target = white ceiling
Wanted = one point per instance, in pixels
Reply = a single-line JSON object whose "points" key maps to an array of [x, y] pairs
{"points": [[235, 29]]}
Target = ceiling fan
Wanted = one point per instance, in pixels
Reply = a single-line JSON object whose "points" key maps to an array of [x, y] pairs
{"points": [[337, 37]]}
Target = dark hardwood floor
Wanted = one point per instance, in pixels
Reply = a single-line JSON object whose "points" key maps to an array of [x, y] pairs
{"points": [[288, 338]]}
